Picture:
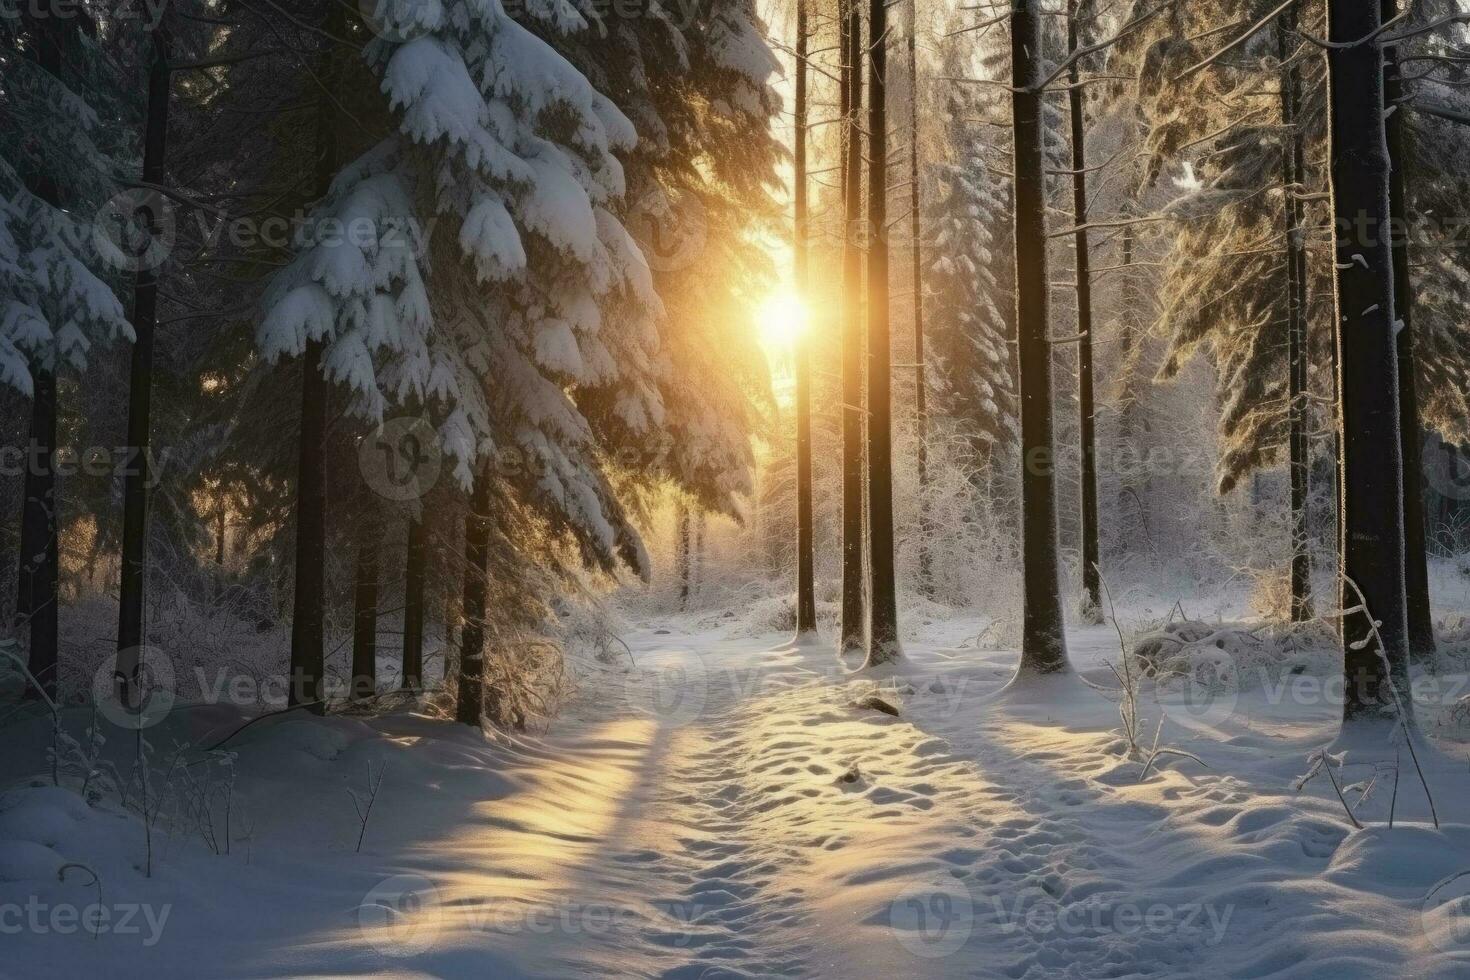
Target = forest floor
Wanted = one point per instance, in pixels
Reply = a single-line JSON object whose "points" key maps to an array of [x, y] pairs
{"points": [[730, 808]]}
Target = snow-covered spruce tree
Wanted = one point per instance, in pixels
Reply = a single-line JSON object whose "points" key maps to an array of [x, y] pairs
{"points": [[700, 185], [969, 281], [495, 132], [519, 312], [1245, 278], [54, 304], [1430, 270], [1436, 185]]}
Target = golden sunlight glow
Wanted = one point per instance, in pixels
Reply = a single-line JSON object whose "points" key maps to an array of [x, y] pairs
{"points": [[781, 319]]}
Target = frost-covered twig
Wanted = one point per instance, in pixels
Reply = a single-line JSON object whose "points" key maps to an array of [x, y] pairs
{"points": [[364, 807], [9, 648], [96, 880], [1403, 716]]}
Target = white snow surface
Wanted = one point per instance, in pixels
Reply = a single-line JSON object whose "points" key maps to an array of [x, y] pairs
{"points": [[726, 809]]}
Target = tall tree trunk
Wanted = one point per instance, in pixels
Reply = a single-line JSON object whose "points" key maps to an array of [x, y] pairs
{"points": [[307, 619], [916, 249], [1043, 637], [40, 518], [1128, 339], [307, 640], [140, 384], [806, 602], [1091, 600], [684, 556], [1411, 436], [365, 615], [469, 706], [1372, 477], [854, 604], [883, 643], [1299, 460], [413, 607]]}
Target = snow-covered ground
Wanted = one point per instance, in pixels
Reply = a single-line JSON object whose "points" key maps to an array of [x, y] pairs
{"points": [[731, 808]]}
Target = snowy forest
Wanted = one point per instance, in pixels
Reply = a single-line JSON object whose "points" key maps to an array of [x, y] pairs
{"points": [[702, 489]]}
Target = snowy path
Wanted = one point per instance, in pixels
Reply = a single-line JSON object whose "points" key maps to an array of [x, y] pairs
{"points": [[728, 810]]}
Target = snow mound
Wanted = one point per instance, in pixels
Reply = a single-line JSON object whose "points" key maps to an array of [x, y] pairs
{"points": [[1236, 653], [22, 860]]}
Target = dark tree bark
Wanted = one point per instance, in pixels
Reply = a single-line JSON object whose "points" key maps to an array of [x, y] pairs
{"points": [[1091, 604], [38, 565], [1043, 639], [1128, 339], [883, 643], [854, 604], [1372, 478], [140, 384], [1299, 461], [221, 529], [365, 615], [308, 615], [469, 706], [413, 608], [916, 248], [684, 565], [307, 640], [806, 602], [1411, 436]]}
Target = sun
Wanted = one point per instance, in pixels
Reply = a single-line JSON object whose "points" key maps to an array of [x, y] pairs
{"points": [[781, 320]]}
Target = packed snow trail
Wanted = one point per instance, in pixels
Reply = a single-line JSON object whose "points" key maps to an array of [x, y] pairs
{"points": [[734, 806]]}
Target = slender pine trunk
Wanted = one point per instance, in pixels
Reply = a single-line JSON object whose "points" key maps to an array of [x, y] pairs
{"points": [[1127, 338], [684, 564], [38, 567], [308, 659], [1411, 436], [916, 250], [413, 607], [883, 643], [140, 383], [1293, 159], [1043, 638], [1371, 464], [365, 616], [806, 602], [469, 706], [854, 604], [1091, 599]]}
